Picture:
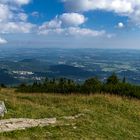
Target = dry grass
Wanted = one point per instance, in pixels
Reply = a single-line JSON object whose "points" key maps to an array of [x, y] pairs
{"points": [[105, 116]]}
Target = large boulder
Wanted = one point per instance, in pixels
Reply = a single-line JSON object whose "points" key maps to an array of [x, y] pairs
{"points": [[3, 109]]}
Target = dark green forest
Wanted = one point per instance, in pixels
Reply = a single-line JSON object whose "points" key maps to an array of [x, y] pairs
{"points": [[113, 85]]}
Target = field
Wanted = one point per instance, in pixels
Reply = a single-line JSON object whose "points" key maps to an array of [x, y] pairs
{"points": [[78, 116]]}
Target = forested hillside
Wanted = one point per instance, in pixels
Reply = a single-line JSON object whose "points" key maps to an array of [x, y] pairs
{"points": [[113, 85]]}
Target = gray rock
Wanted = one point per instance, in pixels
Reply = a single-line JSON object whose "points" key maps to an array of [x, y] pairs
{"points": [[3, 109], [23, 123]]}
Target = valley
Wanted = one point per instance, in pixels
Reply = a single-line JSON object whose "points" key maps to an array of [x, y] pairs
{"points": [[24, 65]]}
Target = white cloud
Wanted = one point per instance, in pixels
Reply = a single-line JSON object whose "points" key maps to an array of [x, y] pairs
{"points": [[21, 2], [12, 17], [130, 8], [22, 16], [59, 27], [16, 27], [76, 31], [3, 41], [65, 20], [55, 31], [72, 19], [55, 23], [73, 31], [119, 6], [5, 13], [120, 25], [18, 2], [68, 24]]}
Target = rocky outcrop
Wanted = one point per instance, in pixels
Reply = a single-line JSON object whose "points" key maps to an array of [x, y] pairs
{"points": [[23, 123], [3, 109]]}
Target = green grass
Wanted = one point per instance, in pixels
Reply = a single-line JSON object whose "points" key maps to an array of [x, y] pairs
{"points": [[105, 116]]}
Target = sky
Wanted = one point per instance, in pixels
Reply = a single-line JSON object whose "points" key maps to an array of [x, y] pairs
{"points": [[70, 23]]}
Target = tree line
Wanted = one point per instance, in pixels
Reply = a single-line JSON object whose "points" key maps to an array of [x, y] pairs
{"points": [[113, 85]]}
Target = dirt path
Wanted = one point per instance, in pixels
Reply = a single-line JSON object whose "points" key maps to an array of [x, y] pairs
{"points": [[23, 123]]}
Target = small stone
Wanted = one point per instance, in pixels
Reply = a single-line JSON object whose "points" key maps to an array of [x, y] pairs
{"points": [[74, 127]]}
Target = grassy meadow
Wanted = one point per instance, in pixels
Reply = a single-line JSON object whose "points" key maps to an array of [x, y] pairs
{"points": [[102, 116]]}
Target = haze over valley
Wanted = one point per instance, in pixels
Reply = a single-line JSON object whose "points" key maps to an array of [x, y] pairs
{"points": [[18, 65]]}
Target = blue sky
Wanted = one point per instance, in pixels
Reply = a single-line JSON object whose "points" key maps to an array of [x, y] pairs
{"points": [[70, 23]]}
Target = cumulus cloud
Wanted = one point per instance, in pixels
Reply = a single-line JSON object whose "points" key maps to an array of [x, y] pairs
{"points": [[18, 2], [73, 31], [21, 2], [15, 27], [120, 25], [119, 6], [68, 24], [72, 19], [66, 20], [22, 16], [12, 17], [76, 31], [3, 41], [5, 13], [130, 8], [53, 24]]}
